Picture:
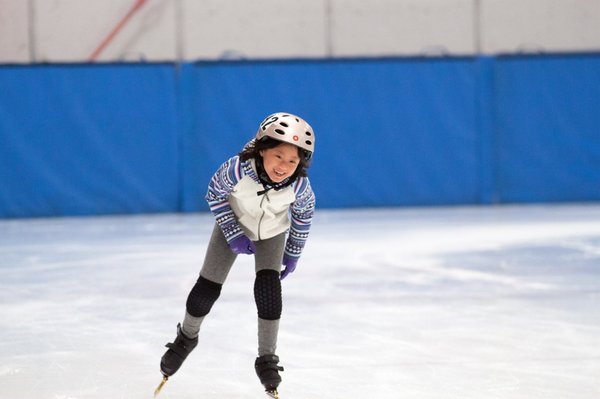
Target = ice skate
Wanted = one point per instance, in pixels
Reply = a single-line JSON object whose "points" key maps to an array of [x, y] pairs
{"points": [[267, 370], [179, 349]]}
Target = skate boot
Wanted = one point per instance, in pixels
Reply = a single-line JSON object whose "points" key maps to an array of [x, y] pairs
{"points": [[267, 371], [178, 351]]}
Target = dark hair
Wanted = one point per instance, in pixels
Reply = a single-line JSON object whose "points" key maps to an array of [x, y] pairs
{"points": [[253, 149]]}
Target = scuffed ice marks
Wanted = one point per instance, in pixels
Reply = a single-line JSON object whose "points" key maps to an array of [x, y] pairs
{"points": [[469, 303]]}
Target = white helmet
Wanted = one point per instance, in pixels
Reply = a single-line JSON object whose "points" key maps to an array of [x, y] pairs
{"points": [[288, 128]]}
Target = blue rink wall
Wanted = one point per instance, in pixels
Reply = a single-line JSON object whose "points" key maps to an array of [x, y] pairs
{"points": [[144, 138]]}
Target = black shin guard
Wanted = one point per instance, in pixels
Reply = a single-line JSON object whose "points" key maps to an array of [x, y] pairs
{"points": [[202, 297], [267, 294]]}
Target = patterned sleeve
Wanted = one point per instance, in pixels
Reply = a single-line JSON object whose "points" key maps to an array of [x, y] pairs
{"points": [[217, 196], [302, 211]]}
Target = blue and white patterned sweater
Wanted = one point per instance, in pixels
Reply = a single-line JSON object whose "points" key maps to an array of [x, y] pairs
{"points": [[233, 197]]}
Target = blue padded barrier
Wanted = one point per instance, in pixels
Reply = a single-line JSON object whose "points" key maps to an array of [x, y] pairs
{"points": [[388, 132], [79, 140], [132, 138], [547, 128]]}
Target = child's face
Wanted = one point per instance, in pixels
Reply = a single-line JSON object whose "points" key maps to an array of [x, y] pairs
{"points": [[280, 162]]}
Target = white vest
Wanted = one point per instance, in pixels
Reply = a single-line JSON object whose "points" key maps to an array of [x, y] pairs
{"points": [[261, 216]]}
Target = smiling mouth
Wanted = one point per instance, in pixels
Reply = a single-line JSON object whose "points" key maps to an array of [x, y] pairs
{"points": [[278, 174]]}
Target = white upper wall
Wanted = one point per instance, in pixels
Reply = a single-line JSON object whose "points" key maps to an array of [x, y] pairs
{"points": [[214, 29], [14, 31], [167, 30], [402, 27], [71, 30], [540, 25]]}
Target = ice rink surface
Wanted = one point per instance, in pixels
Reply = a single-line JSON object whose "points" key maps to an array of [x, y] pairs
{"points": [[410, 303]]}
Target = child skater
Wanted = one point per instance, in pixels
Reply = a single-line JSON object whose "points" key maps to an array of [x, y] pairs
{"points": [[256, 197]]}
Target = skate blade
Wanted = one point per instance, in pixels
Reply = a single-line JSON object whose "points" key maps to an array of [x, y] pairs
{"points": [[160, 386], [273, 393]]}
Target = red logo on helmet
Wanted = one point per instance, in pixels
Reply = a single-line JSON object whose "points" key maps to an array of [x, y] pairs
{"points": [[295, 138]]}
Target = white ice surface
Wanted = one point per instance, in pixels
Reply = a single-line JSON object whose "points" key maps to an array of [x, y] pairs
{"points": [[467, 302]]}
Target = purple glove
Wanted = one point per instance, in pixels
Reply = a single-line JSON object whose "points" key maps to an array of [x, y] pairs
{"points": [[242, 245], [290, 265]]}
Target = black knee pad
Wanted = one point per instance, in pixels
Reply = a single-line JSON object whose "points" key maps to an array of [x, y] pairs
{"points": [[267, 294], [202, 297]]}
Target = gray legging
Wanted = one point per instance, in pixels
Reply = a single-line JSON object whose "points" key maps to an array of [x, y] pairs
{"points": [[219, 258], [267, 289]]}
